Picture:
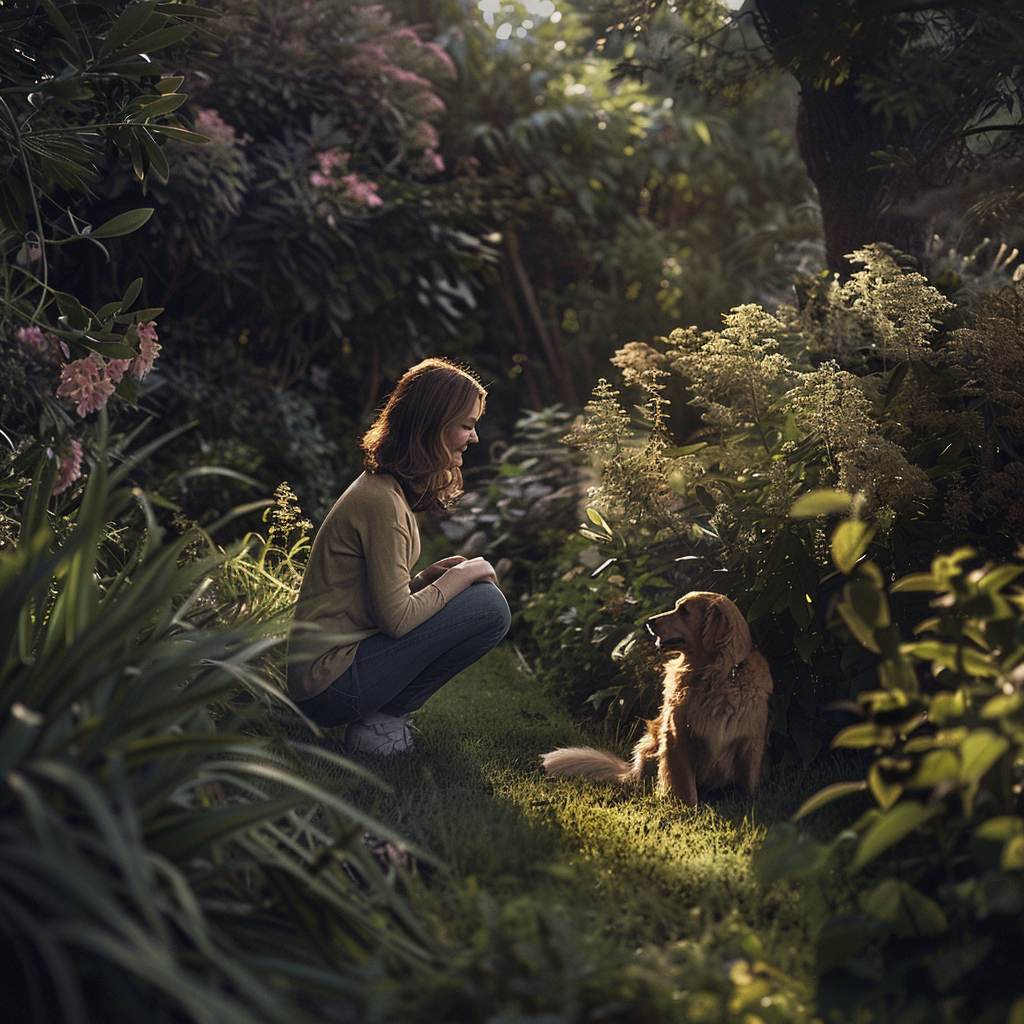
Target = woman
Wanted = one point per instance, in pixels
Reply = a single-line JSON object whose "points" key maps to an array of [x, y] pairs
{"points": [[371, 642]]}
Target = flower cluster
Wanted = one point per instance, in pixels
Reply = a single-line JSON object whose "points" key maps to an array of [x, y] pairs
{"points": [[87, 383], [738, 371], [326, 162], [398, 63], [90, 382], [69, 468], [351, 187], [883, 314], [605, 424], [37, 342], [212, 125]]}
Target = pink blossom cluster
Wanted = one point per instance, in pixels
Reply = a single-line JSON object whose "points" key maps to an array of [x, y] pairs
{"points": [[35, 340], [361, 191], [90, 382], [70, 467], [433, 160], [148, 350], [210, 123], [327, 161], [87, 384], [32, 338]]}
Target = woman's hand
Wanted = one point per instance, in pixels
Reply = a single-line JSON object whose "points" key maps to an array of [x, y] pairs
{"points": [[434, 572], [464, 574]]}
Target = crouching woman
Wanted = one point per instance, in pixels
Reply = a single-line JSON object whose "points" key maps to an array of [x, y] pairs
{"points": [[371, 642]]}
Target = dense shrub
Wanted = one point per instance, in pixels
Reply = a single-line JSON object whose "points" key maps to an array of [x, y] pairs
{"points": [[935, 930], [878, 387], [165, 854]]}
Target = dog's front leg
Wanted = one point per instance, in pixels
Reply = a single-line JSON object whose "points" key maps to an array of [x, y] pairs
{"points": [[748, 765], [676, 765]]}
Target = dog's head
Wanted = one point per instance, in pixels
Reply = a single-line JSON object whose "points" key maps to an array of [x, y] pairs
{"points": [[706, 627]]}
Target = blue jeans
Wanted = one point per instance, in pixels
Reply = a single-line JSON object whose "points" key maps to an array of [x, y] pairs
{"points": [[396, 676]]}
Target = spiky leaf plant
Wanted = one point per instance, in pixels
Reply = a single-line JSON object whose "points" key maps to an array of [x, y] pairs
{"points": [[155, 863]]}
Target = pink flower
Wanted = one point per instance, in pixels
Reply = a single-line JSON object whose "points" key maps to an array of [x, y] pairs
{"points": [[70, 468], [147, 331], [148, 350], [32, 337], [446, 62], [361, 191], [434, 159], [85, 383], [404, 77], [426, 103], [424, 135], [331, 158], [210, 123], [116, 369], [320, 180]]}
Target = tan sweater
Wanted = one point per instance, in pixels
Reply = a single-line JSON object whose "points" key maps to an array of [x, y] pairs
{"points": [[358, 582]]}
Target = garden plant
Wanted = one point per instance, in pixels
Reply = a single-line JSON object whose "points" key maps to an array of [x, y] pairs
{"points": [[224, 230]]}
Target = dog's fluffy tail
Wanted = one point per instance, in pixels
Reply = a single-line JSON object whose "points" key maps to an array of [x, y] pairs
{"points": [[588, 762]]}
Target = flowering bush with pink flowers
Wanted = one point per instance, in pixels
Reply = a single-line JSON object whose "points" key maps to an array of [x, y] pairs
{"points": [[61, 363]]}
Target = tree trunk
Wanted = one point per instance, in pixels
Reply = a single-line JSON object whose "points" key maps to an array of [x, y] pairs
{"points": [[861, 202]]}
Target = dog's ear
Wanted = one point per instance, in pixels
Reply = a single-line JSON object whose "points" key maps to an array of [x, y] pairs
{"points": [[725, 631], [715, 630]]}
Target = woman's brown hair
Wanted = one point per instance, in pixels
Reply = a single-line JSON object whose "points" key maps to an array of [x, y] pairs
{"points": [[407, 439]]}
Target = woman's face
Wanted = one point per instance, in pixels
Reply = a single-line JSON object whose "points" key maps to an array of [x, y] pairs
{"points": [[462, 432]]}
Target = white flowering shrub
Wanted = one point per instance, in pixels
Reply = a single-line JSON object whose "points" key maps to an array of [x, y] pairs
{"points": [[861, 389]]}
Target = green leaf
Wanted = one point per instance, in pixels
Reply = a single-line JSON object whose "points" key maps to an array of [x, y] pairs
{"points": [[863, 735], [123, 223], [966, 659], [907, 911], [997, 578], [885, 792], [1001, 828], [1002, 704], [62, 26], [916, 581], [889, 829], [821, 502], [170, 84], [158, 106], [937, 766], [162, 38], [850, 540], [76, 316], [1012, 858], [827, 795], [110, 350], [675, 452], [598, 520], [131, 293], [131, 20], [979, 751], [183, 134], [157, 160]]}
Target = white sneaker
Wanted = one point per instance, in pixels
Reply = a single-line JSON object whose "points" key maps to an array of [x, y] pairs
{"points": [[380, 734]]}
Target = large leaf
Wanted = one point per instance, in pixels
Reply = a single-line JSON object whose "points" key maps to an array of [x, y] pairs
{"points": [[828, 794], [891, 827], [850, 540], [820, 503], [123, 224]]}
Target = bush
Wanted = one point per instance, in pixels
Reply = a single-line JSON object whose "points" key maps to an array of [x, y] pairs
{"points": [[935, 930], [165, 854], [878, 388]]}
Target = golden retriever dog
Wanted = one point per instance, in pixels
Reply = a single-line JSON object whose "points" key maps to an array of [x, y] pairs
{"points": [[713, 724]]}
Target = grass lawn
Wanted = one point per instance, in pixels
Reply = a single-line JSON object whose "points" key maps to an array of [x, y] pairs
{"points": [[616, 873]]}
